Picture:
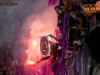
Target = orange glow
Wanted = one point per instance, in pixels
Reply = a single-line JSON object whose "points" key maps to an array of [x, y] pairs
{"points": [[30, 62]]}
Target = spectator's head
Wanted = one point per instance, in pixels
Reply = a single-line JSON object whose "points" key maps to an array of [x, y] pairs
{"points": [[57, 9]]}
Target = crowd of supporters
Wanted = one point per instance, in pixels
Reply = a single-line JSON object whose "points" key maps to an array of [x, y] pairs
{"points": [[79, 24], [6, 61]]}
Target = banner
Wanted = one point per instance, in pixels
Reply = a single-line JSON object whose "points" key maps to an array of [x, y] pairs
{"points": [[44, 46]]}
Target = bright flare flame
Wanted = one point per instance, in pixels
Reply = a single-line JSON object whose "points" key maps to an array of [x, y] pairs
{"points": [[30, 62], [34, 43]]}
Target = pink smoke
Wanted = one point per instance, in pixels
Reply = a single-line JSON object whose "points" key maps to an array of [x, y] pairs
{"points": [[39, 25]]}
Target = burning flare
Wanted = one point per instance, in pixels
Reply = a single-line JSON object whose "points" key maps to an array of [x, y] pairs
{"points": [[35, 43], [30, 62]]}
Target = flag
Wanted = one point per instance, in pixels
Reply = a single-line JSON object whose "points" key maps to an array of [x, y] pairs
{"points": [[44, 46]]}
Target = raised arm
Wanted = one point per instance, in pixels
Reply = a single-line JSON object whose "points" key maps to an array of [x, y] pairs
{"points": [[59, 38]]}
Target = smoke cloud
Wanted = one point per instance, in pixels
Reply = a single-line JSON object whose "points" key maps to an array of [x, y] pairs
{"points": [[38, 25], [13, 17], [24, 24]]}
